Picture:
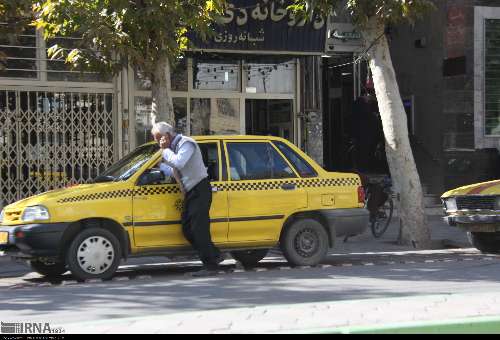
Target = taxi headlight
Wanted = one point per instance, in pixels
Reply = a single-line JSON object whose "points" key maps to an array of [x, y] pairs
{"points": [[35, 213], [451, 204], [1, 216]]}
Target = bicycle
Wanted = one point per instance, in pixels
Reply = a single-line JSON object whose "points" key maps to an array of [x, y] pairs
{"points": [[380, 204]]}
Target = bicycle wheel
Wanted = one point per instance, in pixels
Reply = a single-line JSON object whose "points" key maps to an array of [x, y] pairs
{"points": [[380, 222]]}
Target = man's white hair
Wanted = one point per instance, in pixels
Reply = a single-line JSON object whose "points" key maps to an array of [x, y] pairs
{"points": [[163, 128]]}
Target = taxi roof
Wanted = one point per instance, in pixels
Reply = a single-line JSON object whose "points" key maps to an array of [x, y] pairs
{"points": [[234, 137]]}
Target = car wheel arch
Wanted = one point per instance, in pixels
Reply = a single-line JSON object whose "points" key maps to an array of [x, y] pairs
{"points": [[105, 223], [315, 215]]}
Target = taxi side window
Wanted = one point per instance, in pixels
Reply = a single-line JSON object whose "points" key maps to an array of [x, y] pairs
{"points": [[253, 161], [210, 154]]}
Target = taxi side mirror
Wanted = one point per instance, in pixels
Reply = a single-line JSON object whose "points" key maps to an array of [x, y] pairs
{"points": [[150, 177]]}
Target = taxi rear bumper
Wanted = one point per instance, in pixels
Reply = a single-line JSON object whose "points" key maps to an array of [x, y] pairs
{"points": [[347, 222]]}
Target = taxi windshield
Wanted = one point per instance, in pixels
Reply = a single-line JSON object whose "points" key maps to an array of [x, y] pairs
{"points": [[129, 165]]}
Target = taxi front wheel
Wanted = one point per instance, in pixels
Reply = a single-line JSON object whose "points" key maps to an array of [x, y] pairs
{"points": [[304, 243], [94, 254]]}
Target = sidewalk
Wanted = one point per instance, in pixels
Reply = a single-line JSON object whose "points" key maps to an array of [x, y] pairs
{"points": [[327, 317], [443, 237]]}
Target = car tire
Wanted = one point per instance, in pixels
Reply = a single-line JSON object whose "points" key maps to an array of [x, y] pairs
{"points": [[249, 258], [488, 243], [94, 253], [48, 270], [304, 243]]}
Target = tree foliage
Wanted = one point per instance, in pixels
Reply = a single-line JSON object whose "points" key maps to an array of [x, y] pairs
{"points": [[386, 12], [119, 32]]}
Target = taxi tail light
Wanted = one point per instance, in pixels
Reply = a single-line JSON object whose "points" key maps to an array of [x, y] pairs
{"points": [[19, 234], [361, 195]]}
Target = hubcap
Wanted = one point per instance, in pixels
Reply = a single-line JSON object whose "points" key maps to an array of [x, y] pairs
{"points": [[306, 243], [95, 255]]}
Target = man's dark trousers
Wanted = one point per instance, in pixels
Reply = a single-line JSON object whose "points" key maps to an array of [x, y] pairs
{"points": [[196, 223]]}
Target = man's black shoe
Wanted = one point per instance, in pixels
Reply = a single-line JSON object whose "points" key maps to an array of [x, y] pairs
{"points": [[220, 259], [205, 272]]}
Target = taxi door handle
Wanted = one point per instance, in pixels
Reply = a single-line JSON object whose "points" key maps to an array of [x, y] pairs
{"points": [[141, 198], [288, 186]]}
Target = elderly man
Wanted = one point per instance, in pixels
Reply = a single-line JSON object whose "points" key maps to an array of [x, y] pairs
{"points": [[182, 159]]}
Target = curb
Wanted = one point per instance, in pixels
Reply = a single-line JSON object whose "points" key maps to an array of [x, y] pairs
{"points": [[473, 325], [269, 319]]}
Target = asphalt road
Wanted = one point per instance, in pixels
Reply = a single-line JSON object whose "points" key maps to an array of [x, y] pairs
{"points": [[362, 268], [160, 288]]}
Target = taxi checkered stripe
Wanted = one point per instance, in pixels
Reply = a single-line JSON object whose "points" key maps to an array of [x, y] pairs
{"points": [[237, 186], [98, 196], [330, 182], [157, 190], [256, 186]]}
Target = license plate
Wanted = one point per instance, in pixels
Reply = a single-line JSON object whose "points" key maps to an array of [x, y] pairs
{"points": [[4, 237]]}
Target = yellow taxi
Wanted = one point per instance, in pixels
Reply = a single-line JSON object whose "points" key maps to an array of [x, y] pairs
{"points": [[266, 193], [476, 209]]}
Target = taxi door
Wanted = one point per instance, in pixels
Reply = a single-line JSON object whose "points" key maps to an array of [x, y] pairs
{"points": [[263, 191], [157, 208]]}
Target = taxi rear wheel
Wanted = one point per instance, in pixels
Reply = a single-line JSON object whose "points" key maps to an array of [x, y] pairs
{"points": [[249, 258], [94, 254], [304, 243], [48, 270]]}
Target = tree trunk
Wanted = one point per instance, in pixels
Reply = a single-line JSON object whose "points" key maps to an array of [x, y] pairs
{"points": [[399, 154], [162, 109]]}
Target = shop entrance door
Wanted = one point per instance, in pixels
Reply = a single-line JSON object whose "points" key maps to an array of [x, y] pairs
{"points": [[49, 139], [271, 117]]}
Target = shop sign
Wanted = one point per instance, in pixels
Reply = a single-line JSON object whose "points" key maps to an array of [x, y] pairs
{"points": [[343, 37], [266, 25]]}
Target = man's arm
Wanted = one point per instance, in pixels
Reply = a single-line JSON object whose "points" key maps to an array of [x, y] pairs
{"points": [[167, 170], [179, 160]]}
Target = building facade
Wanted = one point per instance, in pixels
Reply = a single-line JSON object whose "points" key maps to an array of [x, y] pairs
{"points": [[258, 75], [447, 66]]}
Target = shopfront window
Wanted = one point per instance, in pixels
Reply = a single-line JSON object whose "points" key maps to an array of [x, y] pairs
{"points": [[217, 116], [210, 74], [19, 55], [492, 77], [270, 76], [143, 118], [180, 115], [178, 77]]}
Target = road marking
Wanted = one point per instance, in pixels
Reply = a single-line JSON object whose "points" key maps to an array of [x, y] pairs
{"points": [[94, 281], [380, 260], [121, 278], [144, 277]]}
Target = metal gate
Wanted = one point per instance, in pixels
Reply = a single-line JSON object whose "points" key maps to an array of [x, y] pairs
{"points": [[51, 139]]}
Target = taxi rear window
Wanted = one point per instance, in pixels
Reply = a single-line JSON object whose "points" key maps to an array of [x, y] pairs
{"points": [[302, 167]]}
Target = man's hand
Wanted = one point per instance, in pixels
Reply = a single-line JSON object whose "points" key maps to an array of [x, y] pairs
{"points": [[164, 142]]}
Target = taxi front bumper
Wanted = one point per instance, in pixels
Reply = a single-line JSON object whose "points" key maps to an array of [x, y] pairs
{"points": [[472, 219], [34, 240]]}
